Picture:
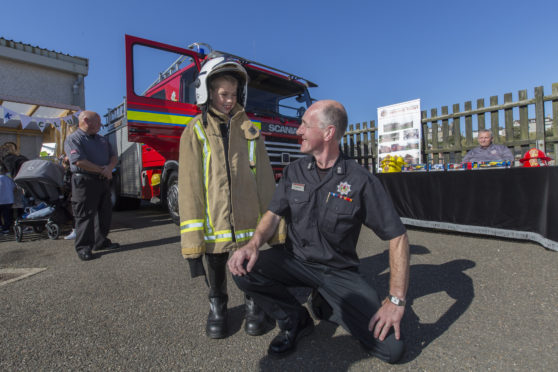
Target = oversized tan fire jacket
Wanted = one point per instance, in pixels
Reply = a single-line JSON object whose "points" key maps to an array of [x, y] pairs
{"points": [[211, 210]]}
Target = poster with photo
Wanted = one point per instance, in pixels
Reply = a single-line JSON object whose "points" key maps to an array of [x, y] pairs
{"points": [[399, 132]]}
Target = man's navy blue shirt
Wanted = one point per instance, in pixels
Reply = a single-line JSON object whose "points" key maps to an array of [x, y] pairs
{"points": [[324, 217], [93, 147]]}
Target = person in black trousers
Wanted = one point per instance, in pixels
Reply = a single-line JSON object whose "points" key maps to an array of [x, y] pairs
{"points": [[92, 160], [325, 199]]}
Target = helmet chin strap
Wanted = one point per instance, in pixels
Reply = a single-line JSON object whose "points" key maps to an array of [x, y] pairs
{"points": [[204, 114]]}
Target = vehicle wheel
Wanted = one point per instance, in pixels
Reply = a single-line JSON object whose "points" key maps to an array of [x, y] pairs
{"points": [[53, 231], [18, 233], [38, 229], [172, 197]]}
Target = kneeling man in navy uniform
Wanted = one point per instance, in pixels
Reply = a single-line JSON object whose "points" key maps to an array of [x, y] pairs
{"points": [[325, 199]]}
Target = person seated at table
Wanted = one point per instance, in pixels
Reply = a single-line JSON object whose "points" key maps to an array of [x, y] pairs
{"points": [[488, 151]]}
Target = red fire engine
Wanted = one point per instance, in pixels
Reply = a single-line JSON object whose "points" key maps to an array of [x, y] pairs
{"points": [[160, 101]]}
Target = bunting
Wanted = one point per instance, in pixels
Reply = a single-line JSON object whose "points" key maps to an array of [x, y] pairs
{"points": [[40, 122]]}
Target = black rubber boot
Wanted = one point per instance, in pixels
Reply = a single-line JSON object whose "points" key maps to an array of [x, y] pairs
{"points": [[217, 278], [257, 322]]}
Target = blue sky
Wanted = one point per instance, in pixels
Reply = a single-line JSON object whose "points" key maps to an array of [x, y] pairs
{"points": [[365, 54]]}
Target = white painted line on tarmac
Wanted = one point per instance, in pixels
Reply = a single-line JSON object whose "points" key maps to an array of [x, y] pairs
{"points": [[12, 275]]}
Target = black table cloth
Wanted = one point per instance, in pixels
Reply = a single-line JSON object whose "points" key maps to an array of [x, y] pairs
{"points": [[519, 203]]}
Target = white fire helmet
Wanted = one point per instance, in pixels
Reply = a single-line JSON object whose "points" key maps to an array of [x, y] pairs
{"points": [[217, 65]]}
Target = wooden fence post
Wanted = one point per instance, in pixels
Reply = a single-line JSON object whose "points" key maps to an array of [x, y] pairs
{"points": [[425, 132], [555, 120], [468, 126], [480, 117], [445, 134], [358, 141], [350, 143], [373, 145], [365, 144], [494, 122], [539, 117], [524, 122], [346, 145], [456, 134], [508, 120], [435, 131]]}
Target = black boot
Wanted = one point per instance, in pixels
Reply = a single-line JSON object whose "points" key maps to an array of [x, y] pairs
{"points": [[257, 322], [217, 318], [217, 279]]}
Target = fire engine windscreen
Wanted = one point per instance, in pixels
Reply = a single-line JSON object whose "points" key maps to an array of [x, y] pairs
{"points": [[269, 95]]}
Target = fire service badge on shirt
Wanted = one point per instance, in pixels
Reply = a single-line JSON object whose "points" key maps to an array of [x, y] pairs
{"points": [[344, 188]]}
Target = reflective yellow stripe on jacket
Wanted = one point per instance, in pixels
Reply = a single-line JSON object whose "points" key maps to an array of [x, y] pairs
{"points": [[252, 155], [244, 235], [200, 133], [191, 225]]}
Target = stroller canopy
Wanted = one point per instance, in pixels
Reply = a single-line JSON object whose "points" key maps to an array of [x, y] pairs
{"points": [[42, 178]]}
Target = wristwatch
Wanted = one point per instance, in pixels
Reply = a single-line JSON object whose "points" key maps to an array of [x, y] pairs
{"points": [[396, 300]]}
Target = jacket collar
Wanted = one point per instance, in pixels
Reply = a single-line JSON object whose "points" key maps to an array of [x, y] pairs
{"points": [[247, 127]]}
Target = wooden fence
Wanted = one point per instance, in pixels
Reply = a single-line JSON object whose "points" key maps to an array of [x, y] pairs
{"points": [[447, 137], [359, 142]]}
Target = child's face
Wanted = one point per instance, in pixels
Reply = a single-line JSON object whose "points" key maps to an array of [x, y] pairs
{"points": [[223, 96]]}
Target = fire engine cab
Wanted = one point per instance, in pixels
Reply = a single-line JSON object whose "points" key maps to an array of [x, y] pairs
{"points": [[160, 102]]}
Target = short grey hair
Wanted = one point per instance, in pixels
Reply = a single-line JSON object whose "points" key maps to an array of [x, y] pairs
{"points": [[486, 131], [335, 114]]}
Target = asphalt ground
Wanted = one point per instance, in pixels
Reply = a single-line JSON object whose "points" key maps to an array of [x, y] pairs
{"points": [[474, 304]]}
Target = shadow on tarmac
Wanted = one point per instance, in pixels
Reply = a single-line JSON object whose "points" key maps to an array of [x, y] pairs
{"points": [[150, 216], [140, 245], [340, 352]]}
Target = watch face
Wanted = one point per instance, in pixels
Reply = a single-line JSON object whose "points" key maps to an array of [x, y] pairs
{"points": [[396, 300]]}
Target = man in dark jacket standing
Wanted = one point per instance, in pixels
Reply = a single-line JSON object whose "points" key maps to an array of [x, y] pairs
{"points": [[92, 160]]}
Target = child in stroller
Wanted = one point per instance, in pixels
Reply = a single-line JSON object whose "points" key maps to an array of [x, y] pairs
{"points": [[42, 181]]}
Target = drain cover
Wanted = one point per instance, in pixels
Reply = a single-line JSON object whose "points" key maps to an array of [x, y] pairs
{"points": [[12, 275]]}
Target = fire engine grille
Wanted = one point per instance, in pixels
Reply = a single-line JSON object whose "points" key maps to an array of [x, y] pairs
{"points": [[282, 151]]}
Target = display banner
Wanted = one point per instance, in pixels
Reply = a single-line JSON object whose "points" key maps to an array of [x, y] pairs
{"points": [[35, 122], [399, 133]]}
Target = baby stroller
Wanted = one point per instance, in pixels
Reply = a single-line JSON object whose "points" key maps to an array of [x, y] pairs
{"points": [[42, 181]]}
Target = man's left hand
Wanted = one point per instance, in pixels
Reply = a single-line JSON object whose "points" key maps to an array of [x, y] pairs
{"points": [[389, 315]]}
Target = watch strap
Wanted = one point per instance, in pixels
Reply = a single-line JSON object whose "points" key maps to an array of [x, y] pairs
{"points": [[396, 300]]}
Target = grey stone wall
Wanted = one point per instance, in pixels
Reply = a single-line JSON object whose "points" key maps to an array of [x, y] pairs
{"points": [[38, 83], [39, 75]]}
